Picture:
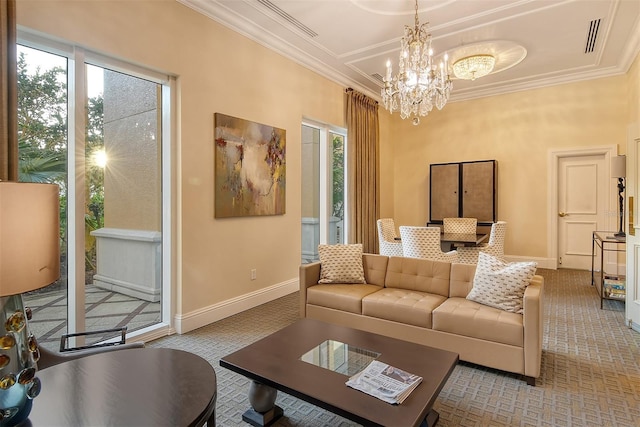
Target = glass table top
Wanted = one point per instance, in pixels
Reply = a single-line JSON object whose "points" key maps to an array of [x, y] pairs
{"points": [[339, 357]]}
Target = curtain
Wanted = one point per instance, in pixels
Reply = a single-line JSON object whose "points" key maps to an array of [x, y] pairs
{"points": [[363, 188], [8, 93]]}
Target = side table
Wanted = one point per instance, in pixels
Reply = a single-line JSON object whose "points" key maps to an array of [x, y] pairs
{"points": [[611, 287], [135, 387]]}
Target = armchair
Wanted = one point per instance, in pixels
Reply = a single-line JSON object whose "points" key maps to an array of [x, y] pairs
{"points": [[495, 247], [459, 225], [386, 238], [424, 242]]}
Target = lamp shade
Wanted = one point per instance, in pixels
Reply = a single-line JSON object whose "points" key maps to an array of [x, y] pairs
{"points": [[618, 166], [29, 236]]}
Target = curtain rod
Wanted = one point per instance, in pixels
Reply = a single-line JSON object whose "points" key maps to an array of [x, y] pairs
{"points": [[350, 89]]}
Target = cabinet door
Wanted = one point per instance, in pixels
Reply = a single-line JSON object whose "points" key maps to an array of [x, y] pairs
{"points": [[444, 189], [478, 195]]}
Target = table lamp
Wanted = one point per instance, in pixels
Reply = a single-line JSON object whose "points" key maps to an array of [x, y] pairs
{"points": [[29, 260], [619, 170]]}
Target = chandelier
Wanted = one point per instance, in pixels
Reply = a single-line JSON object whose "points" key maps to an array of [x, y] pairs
{"points": [[472, 67], [419, 84]]}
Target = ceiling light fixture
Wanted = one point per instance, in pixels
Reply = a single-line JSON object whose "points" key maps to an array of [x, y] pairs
{"points": [[419, 83], [472, 67]]}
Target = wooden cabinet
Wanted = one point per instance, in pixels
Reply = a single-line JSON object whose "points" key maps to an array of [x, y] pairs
{"points": [[464, 189]]}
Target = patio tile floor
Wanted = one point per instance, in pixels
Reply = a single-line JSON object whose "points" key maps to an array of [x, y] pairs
{"points": [[104, 310]]}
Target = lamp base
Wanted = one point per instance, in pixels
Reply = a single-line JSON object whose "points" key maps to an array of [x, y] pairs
{"points": [[620, 234], [18, 356]]}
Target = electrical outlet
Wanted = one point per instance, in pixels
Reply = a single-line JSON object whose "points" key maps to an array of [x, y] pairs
{"points": [[253, 274]]}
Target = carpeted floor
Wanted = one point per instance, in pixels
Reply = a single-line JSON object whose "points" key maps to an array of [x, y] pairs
{"points": [[590, 367]]}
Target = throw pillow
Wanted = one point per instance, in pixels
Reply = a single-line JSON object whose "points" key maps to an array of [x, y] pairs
{"points": [[341, 263], [499, 284]]}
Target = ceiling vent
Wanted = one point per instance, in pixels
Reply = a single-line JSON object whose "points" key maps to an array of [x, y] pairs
{"points": [[378, 77], [290, 19], [592, 36]]}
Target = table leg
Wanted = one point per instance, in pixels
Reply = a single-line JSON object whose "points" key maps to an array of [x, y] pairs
{"points": [[431, 419], [593, 254], [264, 411]]}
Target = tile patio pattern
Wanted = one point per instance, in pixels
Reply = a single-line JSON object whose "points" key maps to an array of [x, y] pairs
{"points": [[104, 310]]}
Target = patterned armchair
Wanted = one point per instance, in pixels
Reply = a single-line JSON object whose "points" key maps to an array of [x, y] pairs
{"points": [[495, 247], [386, 238], [424, 242], [459, 225]]}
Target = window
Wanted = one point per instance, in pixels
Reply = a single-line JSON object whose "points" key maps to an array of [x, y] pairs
{"points": [[323, 187], [114, 228]]}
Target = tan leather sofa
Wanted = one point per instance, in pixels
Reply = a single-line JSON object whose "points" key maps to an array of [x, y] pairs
{"points": [[423, 301]]}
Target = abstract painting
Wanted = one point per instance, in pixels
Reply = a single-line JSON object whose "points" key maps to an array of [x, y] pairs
{"points": [[249, 168]]}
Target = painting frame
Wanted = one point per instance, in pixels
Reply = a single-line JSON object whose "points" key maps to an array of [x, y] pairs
{"points": [[249, 168]]}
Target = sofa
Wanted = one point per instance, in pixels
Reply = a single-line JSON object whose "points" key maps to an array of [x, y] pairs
{"points": [[425, 302]]}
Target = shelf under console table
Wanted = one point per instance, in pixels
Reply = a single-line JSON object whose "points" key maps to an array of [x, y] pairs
{"points": [[609, 286]]}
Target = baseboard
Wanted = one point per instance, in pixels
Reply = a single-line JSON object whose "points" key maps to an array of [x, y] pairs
{"points": [[150, 333], [204, 316], [542, 262]]}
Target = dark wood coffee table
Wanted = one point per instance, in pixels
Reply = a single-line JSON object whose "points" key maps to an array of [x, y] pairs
{"points": [[275, 362]]}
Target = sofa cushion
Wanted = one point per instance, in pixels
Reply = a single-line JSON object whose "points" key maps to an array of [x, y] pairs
{"points": [[499, 284], [401, 305], [418, 274], [464, 317], [461, 279], [341, 263], [345, 297], [375, 268]]}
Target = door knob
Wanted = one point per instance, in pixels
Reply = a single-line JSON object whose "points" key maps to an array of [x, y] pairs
{"points": [[562, 214]]}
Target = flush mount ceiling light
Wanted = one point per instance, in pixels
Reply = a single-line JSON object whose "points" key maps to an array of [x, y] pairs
{"points": [[420, 83], [472, 67]]}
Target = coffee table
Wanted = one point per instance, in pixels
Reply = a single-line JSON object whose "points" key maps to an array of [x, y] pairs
{"points": [[275, 362]]}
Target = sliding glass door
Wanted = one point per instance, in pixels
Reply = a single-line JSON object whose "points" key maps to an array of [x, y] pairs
{"points": [[323, 188], [111, 188]]}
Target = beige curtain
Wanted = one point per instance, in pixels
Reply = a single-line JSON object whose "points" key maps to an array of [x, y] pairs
{"points": [[8, 93], [363, 135]]}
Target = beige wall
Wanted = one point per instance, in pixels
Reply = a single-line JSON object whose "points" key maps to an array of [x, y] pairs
{"points": [[218, 71], [221, 71], [517, 130]]}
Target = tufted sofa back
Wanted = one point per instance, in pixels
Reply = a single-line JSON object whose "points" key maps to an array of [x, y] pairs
{"points": [[418, 274]]}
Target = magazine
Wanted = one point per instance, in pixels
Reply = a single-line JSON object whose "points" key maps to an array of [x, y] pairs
{"points": [[385, 382]]}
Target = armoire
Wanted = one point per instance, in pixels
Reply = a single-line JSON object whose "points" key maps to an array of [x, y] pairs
{"points": [[463, 189]]}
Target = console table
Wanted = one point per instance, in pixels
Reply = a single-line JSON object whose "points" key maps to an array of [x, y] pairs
{"points": [[610, 287], [134, 387]]}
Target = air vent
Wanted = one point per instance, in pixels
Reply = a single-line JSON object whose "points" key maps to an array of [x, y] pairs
{"points": [[378, 77], [592, 36], [290, 19]]}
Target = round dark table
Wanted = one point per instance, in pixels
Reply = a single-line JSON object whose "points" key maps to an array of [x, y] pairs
{"points": [[134, 387]]}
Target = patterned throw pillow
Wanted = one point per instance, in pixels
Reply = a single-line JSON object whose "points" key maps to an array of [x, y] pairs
{"points": [[499, 284], [341, 263]]}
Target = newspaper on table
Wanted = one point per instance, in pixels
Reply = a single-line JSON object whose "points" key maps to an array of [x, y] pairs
{"points": [[385, 382]]}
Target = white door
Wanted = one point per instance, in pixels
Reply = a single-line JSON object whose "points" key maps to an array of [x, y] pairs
{"points": [[633, 230], [582, 190]]}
